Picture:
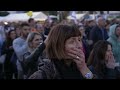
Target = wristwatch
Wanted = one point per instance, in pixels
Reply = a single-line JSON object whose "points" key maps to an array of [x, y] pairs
{"points": [[89, 75]]}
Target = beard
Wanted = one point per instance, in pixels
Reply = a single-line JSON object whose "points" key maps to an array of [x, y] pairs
{"points": [[25, 35]]}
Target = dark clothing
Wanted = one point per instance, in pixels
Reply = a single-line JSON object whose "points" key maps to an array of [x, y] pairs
{"points": [[67, 72], [86, 48], [7, 64], [31, 60], [47, 30], [87, 31], [43, 37], [56, 69], [107, 73], [97, 34], [1, 72], [13, 60]]}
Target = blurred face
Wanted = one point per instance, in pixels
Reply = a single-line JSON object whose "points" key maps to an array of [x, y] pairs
{"points": [[18, 31], [118, 31], [102, 22], [47, 24], [36, 41], [13, 35], [40, 29], [25, 31], [32, 22], [108, 52], [92, 23], [82, 30], [73, 42]]}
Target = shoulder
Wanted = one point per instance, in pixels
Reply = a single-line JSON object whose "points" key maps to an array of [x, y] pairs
{"points": [[38, 75], [17, 40], [45, 70]]}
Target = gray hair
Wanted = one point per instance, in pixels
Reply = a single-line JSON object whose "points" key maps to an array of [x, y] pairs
{"points": [[99, 18]]}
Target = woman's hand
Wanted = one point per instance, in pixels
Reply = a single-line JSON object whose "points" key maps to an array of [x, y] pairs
{"points": [[110, 62], [79, 58]]}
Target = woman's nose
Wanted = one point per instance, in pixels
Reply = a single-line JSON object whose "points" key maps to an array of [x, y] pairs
{"points": [[111, 53], [79, 46]]}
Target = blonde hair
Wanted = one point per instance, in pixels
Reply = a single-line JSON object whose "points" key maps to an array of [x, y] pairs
{"points": [[30, 38]]}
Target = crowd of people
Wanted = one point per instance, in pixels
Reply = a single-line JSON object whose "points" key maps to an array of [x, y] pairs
{"points": [[88, 49]]}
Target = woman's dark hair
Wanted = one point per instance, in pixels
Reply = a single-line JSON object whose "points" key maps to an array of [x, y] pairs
{"points": [[97, 55], [55, 47], [8, 38], [30, 37]]}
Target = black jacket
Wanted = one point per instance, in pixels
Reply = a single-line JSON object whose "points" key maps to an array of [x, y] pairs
{"points": [[31, 60], [6, 50], [96, 34], [55, 69]]}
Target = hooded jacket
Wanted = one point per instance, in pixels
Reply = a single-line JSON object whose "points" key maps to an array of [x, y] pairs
{"points": [[113, 39]]}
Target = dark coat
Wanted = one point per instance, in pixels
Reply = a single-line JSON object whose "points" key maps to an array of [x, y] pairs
{"points": [[87, 31], [56, 69], [6, 50], [31, 60], [96, 34], [86, 48], [46, 30]]}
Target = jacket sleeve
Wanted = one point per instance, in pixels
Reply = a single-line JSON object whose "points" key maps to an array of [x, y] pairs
{"points": [[33, 57], [46, 70], [38, 75]]}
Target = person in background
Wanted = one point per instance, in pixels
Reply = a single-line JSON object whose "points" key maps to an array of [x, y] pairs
{"points": [[18, 30], [98, 32], [101, 61], [32, 57], [66, 58], [84, 42], [107, 26], [7, 49], [47, 27], [114, 39], [40, 29], [20, 47], [89, 27], [32, 23]]}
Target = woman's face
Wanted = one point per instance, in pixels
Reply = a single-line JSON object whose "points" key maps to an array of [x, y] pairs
{"points": [[108, 52], [12, 35], [73, 42], [18, 32], [118, 31], [36, 41]]}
